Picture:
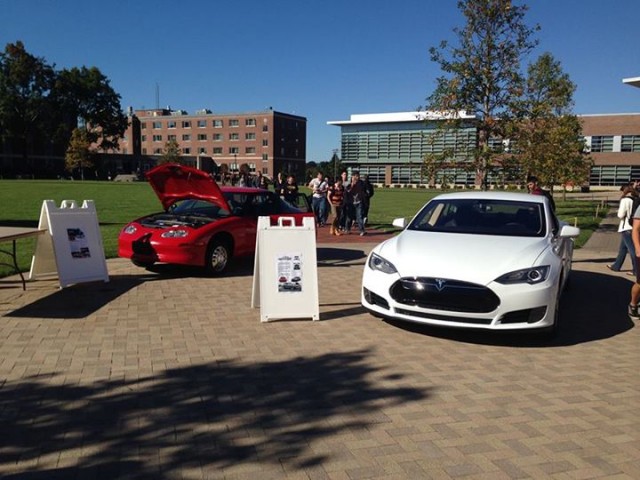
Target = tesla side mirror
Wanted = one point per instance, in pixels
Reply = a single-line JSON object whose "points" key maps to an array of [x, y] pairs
{"points": [[400, 222], [567, 231]]}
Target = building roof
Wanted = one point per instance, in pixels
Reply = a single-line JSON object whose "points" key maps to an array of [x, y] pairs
{"points": [[397, 117], [634, 81]]}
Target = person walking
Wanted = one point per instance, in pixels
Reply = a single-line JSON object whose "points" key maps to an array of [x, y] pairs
{"points": [[625, 214], [335, 195], [289, 191]]}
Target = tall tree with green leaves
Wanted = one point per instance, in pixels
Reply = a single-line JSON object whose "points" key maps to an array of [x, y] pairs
{"points": [[171, 153], [547, 135], [482, 73], [79, 154], [85, 96], [26, 82]]}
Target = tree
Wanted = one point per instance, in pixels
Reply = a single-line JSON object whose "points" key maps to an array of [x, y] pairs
{"points": [[79, 154], [85, 95], [548, 136], [25, 107], [482, 73], [171, 153]]}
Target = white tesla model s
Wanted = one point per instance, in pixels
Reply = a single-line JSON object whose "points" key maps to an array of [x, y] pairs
{"points": [[483, 260]]}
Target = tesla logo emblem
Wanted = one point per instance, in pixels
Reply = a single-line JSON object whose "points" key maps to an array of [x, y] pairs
{"points": [[440, 284]]}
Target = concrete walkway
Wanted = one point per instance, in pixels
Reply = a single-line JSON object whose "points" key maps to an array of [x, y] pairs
{"points": [[170, 375]]}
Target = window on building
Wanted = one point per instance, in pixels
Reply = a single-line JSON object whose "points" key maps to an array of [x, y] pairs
{"points": [[630, 143], [265, 128], [144, 151], [186, 151], [157, 151], [218, 123], [601, 143], [234, 136], [171, 137], [171, 124], [143, 125], [234, 122], [250, 136], [186, 124], [265, 157], [157, 125], [202, 150], [250, 122], [250, 150], [144, 138], [186, 137], [157, 138], [234, 150], [202, 136], [217, 137], [217, 150], [202, 123], [265, 142]]}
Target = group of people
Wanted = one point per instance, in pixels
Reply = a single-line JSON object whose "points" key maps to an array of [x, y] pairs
{"points": [[345, 199]]}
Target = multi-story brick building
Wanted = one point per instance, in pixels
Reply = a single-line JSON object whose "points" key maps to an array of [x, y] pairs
{"points": [[267, 141], [390, 147]]}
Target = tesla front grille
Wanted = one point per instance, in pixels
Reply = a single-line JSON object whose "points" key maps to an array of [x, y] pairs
{"points": [[444, 294]]}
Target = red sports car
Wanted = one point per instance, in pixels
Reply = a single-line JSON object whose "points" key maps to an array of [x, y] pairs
{"points": [[203, 224]]}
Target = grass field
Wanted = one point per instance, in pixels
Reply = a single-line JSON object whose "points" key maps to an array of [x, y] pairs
{"points": [[118, 203]]}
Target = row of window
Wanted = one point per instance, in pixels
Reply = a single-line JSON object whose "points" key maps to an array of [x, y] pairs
{"points": [[217, 123], [215, 152], [216, 137], [607, 143]]}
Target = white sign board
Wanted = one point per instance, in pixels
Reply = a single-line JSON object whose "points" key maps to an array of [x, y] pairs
{"points": [[72, 246], [285, 272]]}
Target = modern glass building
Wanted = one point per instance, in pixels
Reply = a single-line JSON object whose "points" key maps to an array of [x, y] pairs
{"points": [[391, 147]]}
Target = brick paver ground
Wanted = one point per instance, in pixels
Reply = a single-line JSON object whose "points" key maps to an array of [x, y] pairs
{"points": [[170, 374]]}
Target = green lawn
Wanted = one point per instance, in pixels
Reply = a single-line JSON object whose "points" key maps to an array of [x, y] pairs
{"points": [[118, 203]]}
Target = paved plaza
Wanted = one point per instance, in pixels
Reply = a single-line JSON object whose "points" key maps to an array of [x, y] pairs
{"points": [[168, 374]]}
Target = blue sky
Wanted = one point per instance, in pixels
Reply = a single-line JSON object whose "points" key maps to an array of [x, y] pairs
{"points": [[322, 59]]}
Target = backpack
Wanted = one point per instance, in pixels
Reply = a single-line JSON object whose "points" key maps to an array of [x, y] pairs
{"points": [[634, 207]]}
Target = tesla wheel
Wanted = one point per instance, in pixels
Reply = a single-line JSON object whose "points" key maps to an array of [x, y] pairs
{"points": [[218, 255]]}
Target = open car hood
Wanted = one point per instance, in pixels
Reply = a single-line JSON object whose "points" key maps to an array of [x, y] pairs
{"points": [[173, 182]]}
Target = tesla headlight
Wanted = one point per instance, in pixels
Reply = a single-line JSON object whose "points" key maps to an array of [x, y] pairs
{"points": [[174, 234], [376, 262], [130, 229], [531, 276]]}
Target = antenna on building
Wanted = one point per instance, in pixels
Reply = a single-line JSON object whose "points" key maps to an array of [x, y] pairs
{"points": [[157, 96]]}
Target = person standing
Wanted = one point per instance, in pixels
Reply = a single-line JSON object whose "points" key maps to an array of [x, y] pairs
{"points": [[278, 183], [335, 195], [289, 192], [625, 214], [319, 188], [635, 288], [356, 194], [535, 189], [368, 193]]}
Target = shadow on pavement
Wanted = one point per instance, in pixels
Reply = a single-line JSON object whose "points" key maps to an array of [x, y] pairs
{"points": [[212, 416], [594, 307], [81, 300]]}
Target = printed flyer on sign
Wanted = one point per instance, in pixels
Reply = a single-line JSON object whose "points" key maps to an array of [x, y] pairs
{"points": [[78, 243], [289, 272]]}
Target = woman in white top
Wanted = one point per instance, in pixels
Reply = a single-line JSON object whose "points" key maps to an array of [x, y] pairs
{"points": [[626, 243]]}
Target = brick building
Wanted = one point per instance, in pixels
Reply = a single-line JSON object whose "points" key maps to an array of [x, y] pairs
{"points": [[267, 141]]}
